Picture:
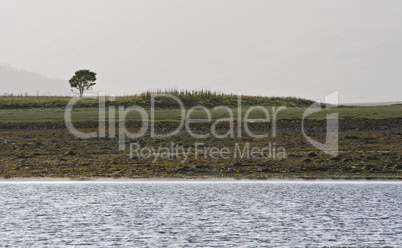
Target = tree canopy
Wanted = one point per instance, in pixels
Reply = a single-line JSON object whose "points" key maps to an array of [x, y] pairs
{"points": [[83, 80]]}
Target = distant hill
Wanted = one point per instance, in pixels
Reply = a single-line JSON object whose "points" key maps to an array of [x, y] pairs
{"points": [[22, 82]]}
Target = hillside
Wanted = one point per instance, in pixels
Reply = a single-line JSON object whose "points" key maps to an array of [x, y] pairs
{"points": [[23, 82], [189, 98]]}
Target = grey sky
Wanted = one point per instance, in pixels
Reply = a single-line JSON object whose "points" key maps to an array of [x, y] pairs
{"points": [[275, 48]]}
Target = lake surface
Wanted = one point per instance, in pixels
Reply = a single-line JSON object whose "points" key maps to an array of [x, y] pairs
{"points": [[200, 214]]}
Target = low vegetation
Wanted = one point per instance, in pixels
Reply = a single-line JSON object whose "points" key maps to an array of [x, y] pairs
{"points": [[92, 114], [189, 98], [51, 108]]}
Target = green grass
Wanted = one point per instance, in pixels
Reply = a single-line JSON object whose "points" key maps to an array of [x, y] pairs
{"points": [[51, 108], [208, 99], [91, 114]]}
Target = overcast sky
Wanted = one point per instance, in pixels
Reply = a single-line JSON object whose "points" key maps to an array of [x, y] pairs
{"points": [[273, 48]]}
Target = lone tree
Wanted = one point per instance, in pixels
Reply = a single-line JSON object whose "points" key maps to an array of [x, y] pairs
{"points": [[83, 80]]}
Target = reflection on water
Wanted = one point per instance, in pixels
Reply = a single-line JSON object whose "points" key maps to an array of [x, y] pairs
{"points": [[201, 214]]}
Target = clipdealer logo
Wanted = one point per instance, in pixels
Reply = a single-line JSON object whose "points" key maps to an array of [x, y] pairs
{"points": [[117, 128]]}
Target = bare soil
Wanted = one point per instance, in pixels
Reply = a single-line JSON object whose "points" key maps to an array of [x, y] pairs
{"points": [[368, 149]]}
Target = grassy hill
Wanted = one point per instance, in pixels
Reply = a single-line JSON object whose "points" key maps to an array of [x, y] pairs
{"points": [[51, 108], [207, 99]]}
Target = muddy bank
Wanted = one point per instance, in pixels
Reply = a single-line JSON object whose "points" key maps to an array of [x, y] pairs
{"points": [[368, 149]]}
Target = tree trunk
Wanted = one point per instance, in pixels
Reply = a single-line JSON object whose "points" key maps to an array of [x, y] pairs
{"points": [[81, 92]]}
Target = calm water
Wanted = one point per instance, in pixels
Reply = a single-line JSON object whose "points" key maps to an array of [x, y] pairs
{"points": [[200, 214]]}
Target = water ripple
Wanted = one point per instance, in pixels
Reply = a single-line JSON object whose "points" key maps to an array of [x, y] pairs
{"points": [[200, 214]]}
